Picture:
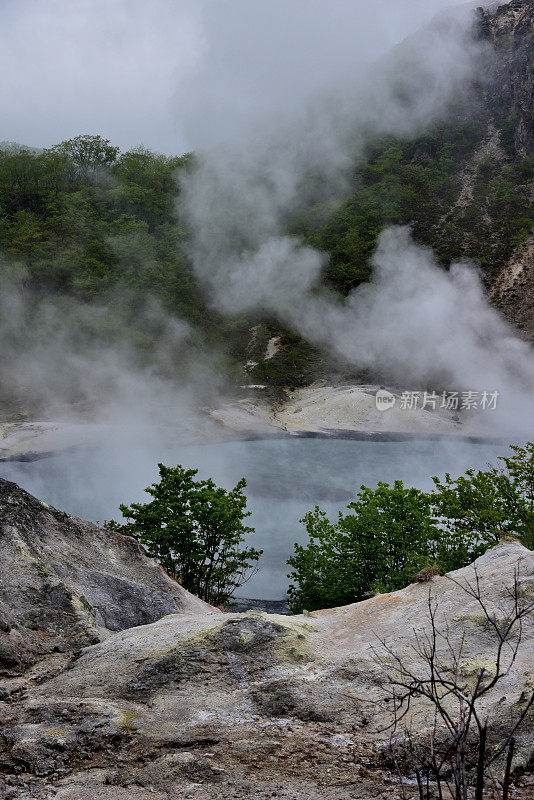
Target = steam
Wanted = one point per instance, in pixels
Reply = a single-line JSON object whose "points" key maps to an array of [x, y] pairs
{"points": [[146, 374], [414, 323], [422, 326], [263, 157], [264, 62]]}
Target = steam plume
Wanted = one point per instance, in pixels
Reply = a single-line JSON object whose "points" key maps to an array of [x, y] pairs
{"points": [[414, 322]]}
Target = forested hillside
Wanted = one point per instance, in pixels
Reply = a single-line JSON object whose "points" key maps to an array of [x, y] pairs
{"points": [[84, 221], [466, 186]]}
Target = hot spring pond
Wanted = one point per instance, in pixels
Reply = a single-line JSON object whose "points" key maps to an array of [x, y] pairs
{"points": [[286, 478]]}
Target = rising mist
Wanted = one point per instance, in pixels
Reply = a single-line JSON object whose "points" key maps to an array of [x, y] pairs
{"points": [[414, 324]]}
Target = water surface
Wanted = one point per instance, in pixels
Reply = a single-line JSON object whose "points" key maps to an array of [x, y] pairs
{"points": [[286, 478]]}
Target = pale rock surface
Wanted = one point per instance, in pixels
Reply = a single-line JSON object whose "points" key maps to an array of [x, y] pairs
{"points": [[65, 583], [204, 704], [342, 409]]}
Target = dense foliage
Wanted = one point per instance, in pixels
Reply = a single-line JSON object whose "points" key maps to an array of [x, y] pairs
{"points": [[388, 534], [195, 530], [393, 532], [83, 222], [84, 219], [491, 503]]}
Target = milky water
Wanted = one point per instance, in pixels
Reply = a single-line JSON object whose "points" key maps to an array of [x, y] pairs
{"points": [[286, 478]]}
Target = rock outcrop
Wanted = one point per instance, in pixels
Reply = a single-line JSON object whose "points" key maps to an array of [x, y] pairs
{"points": [[65, 583], [511, 29], [510, 97], [204, 704]]}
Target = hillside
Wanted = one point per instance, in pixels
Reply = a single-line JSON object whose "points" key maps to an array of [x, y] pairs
{"points": [[96, 233], [66, 584], [466, 185]]}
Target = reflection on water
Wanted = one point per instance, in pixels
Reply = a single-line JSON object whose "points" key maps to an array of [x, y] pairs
{"points": [[285, 479]]}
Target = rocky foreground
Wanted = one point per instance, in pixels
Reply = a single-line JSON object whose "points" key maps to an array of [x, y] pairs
{"points": [[116, 684]]}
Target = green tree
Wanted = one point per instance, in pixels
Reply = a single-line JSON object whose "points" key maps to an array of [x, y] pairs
{"points": [[393, 531], [479, 508], [88, 152], [389, 535], [147, 183], [195, 530]]}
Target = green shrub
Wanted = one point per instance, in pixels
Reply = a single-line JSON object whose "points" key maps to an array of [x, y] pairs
{"points": [[388, 535], [479, 508], [195, 530], [392, 532]]}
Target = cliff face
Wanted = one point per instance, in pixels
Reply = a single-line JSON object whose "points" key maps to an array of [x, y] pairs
{"points": [[511, 30], [203, 704], [510, 99], [65, 584]]}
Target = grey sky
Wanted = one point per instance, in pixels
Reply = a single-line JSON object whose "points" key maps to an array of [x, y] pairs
{"points": [[164, 72]]}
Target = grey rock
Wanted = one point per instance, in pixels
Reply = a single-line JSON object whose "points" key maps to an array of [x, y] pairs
{"points": [[210, 705], [120, 603], [65, 583], [510, 28], [215, 705]]}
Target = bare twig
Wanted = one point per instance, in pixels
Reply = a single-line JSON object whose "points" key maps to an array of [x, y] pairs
{"points": [[455, 700]]}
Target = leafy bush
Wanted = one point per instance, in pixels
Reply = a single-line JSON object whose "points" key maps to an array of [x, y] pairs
{"points": [[393, 531], [481, 507], [389, 534], [195, 530]]}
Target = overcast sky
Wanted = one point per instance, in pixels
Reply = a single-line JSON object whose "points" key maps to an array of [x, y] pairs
{"points": [[163, 72]]}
